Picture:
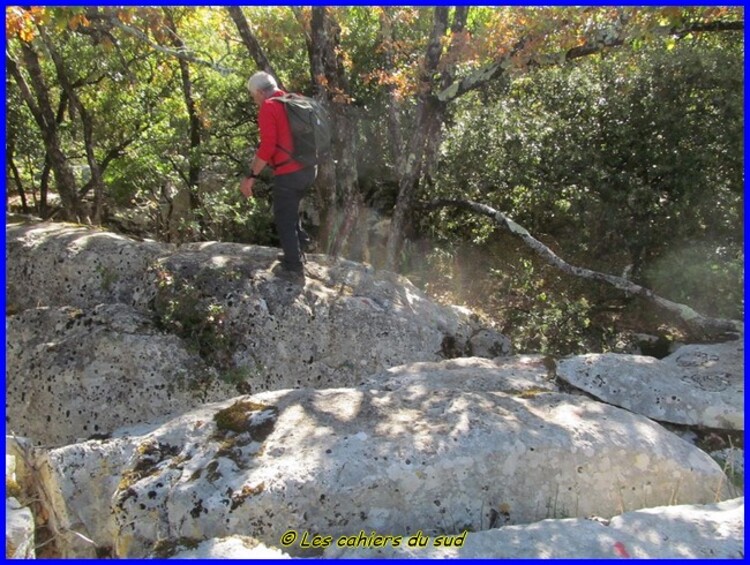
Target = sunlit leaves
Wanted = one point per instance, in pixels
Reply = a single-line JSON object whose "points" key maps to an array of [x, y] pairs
{"points": [[21, 22], [628, 153], [126, 81], [77, 20]]}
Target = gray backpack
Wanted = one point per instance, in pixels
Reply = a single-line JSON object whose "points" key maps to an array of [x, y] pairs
{"points": [[311, 129]]}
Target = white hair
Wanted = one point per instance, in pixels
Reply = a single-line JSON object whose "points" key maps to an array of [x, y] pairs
{"points": [[261, 82]]}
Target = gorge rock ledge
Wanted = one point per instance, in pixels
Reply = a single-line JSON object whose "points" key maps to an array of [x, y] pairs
{"points": [[711, 531], [338, 461], [72, 374], [104, 331], [696, 385]]}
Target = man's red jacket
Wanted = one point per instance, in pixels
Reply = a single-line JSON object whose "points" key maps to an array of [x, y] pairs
{"points": [[275, 136]]}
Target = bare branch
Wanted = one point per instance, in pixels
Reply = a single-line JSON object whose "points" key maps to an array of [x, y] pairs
{"points": [[704, 324]]}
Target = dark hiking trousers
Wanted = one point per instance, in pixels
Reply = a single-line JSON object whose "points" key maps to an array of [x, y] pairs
{"points": [[288, 191]]}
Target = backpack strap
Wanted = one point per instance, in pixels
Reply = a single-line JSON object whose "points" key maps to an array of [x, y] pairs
{"points": [[285, 162], [277, 99]]}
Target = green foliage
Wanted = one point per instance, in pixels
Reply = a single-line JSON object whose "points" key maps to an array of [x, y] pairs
{"points": [[708, 277], [547, 316], [186, 312], [625, 154], [540, 309], [230, 217], [630, 162]]}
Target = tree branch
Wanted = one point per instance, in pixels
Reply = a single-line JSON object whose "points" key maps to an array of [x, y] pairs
{"points": [[701, 27], [182, 54], [494, 70], [703, 324], [483, 75], [251, 43]]}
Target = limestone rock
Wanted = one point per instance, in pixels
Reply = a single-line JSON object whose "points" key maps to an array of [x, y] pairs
{"points": [[712, 531], [232, 547], [157, 324], [72, 373], [57, 264], [19, 531], [345, 322], [489, 343], [19, 520], [339, 461], [523, 375], [696, 385]]}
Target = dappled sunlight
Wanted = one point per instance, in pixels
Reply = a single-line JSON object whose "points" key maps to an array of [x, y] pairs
{"points": [[337, 457], [181, 385], [569, 415], [342, 407], [76, 236], [219, 261], [674, 530], [87, 240]]}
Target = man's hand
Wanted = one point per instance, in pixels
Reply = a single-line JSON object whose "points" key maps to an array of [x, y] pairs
{"points": [[246, 187]]}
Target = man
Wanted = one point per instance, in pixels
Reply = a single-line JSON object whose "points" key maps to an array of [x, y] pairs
{"points": [[291, 179]]}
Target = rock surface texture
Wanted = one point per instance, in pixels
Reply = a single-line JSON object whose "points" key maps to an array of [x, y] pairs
{"points": [[712, 531], [696, 385], [73, 374], [232, 547], [106, 331], [523, 375], [19, 520], [341, 460], [185, 402], [53, 264]]}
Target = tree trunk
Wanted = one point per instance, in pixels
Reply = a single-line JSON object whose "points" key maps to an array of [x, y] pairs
{"points": [[87, 122], [427, 125], [251, 43], [347, 185], [44, 211], [10, 157], [304, 25], [703, 325], [195, 128], [38, 103], [429, 113], [330, 78], [325, 185], [395, 136]]}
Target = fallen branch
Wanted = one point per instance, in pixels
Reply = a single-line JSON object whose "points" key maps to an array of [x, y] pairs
{"points": [[696, 321]]}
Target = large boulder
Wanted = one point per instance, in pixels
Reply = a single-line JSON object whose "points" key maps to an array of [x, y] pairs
{"points": [[345, 322], [699, 385], [73, 373], [711, 531], [106, 331], [335, 462], [58, 264]]}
